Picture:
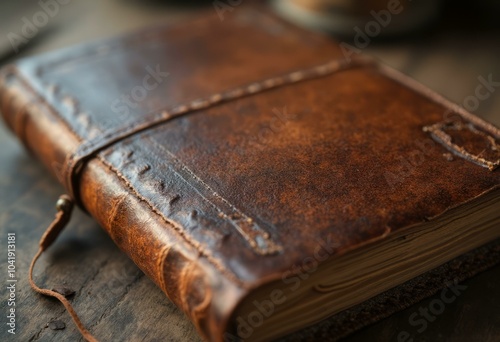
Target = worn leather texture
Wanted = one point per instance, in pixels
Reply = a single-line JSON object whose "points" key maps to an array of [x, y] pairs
{"points": [[231, 193]]}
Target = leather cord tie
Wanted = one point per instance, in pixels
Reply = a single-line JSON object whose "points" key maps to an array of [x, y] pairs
{"points": [[64, 208]]}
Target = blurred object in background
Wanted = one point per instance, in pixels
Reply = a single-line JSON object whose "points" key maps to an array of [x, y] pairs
{"points": [[30, 27], [22, 22], [374, 17]]}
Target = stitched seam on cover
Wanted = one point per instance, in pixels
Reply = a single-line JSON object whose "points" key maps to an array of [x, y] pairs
{"points": [[248, 222], [198, 179], [172, 223]]}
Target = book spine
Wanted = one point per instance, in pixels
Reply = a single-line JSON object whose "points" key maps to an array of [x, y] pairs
{"points": [[193, 284]]}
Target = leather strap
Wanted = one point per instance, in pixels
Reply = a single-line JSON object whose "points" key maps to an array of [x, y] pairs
{"points": [[89, 148], [64, 209]]}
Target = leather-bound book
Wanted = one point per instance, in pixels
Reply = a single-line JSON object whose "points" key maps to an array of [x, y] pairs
{"points": [[270, 181]]}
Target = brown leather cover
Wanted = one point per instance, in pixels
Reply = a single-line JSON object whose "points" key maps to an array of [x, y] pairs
{"points": [[266, 142]]}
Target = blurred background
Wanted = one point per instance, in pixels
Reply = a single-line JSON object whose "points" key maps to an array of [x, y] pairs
{"points": [[447, 45]]}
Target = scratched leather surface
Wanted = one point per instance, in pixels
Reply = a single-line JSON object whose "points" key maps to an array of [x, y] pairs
{"points": [[204, 196]]}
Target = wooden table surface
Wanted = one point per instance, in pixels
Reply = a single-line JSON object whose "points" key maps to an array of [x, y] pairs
{"points": [[115, 300]]}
